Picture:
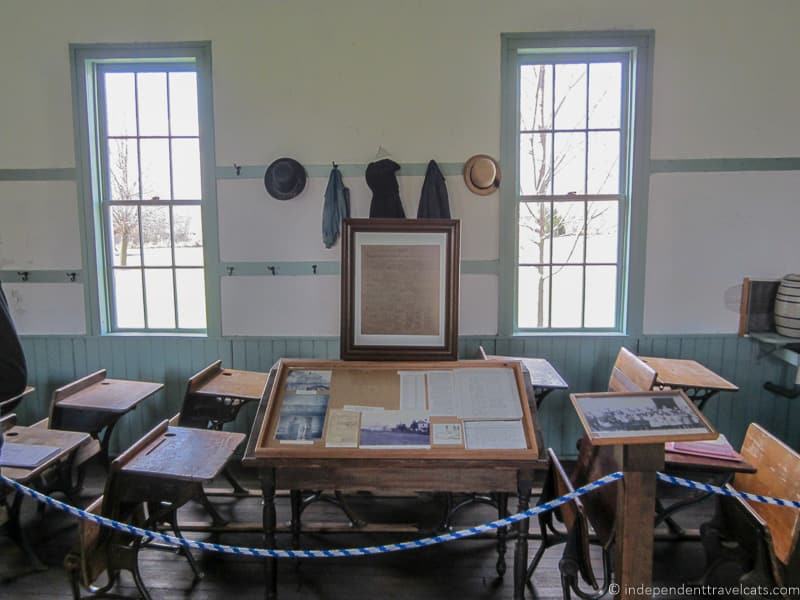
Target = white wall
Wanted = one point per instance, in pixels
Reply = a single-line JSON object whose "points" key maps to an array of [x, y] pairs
{"points": [[325, 81]]}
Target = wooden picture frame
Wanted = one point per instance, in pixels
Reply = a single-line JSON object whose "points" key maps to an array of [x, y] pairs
{"points": [[400, 289], [680, 419]]}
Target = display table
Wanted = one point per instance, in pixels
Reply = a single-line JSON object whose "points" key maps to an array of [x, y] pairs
{"points": [[314, 466]]}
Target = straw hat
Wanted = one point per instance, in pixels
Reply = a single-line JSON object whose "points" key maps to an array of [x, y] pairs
{"points": [[482, 174]]}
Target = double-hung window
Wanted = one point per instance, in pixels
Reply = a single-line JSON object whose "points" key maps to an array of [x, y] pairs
{"points": [[146, 168], [572, 145]]}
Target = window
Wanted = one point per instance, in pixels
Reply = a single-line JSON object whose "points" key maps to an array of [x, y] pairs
{"points": [[146, 166], [572, 136]]}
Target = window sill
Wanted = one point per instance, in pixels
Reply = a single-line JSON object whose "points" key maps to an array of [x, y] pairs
{"points": [[151, 334], [538, 334]]}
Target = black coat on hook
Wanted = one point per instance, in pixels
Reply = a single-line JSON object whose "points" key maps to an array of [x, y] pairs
{"points": [[13, 370], [382, 180]]}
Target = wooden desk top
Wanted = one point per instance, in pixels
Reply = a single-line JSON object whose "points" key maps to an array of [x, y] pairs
{"points": [[543, 374], [687, 462], [687, 374], [377, 384], [185, 454], [67, 441], [109, 395], [232, 383]]}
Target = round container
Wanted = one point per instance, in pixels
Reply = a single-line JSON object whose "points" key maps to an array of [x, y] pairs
{"points": [[787, 307]]}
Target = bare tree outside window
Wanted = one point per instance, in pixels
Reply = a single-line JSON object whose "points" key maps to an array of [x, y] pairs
{"points": [[569, 183]]}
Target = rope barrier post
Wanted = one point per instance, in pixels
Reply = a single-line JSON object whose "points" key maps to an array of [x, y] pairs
{"points": [[636, 505]]}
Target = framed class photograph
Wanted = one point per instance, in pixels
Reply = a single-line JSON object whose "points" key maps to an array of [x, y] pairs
{"points": [[641, 417], [400, 289]]}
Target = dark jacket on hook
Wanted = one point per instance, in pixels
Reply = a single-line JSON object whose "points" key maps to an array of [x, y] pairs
{"points": [[382, 180], [336, 207], [13, 371], [433, 202]]}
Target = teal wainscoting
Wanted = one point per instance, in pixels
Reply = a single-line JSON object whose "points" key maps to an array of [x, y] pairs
{"points": [[584, 362]]}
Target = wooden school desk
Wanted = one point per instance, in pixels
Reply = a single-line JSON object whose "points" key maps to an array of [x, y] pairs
{"points": [[67, 442], [699, 382], [437, 469], [8, 405], [97, 402], [544, 377]]}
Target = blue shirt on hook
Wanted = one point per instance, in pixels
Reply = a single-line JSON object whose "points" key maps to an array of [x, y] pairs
{"points": [[336, 208]]}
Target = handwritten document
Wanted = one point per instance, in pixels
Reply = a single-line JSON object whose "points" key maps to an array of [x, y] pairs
{"points": [[487, 394], [494, 435], [442, 394], [400, 289], [412, 390], [343, 428]]}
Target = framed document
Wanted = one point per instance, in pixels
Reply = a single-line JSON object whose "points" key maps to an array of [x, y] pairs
{"points": [[650, 417], [400, 289]]}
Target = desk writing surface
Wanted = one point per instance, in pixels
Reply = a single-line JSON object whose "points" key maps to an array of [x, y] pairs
{"points": [[543, 374], [111, 395], [377, 384], [186, 454], [688, 462], [681, 373], [67, 441], [232, 383]]}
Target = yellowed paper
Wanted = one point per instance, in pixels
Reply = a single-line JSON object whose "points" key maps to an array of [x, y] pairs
{"points": [[400, 290], [343, 428]]}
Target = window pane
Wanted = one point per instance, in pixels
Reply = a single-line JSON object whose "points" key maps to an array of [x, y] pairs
{"points": [[186, 169], [188, 235], [533, 297], [534, 232], [155, 234], [536, 97], [155, 169], [120, 104], [570, 163], [535, 163], [152, 103], [125, 236], [570, 101], [191, 298], [601, 242], [160, 298], [568, 232], [128, 298], [567, 296], [183, 103], [601, 296], [605, 92], [123, 169], [603, 177]]}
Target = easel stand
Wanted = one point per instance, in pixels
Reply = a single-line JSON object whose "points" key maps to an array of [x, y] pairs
{"points": [[635, 509]]}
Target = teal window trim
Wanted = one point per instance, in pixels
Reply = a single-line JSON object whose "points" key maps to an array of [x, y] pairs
{"points": [[639, 45], [84, 59]]}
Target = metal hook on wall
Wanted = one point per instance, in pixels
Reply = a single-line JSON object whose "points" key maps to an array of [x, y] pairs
{"points": [[23, 275], [272, 269], [71, 276], [314, 269], [238, 169], [230, 270]]}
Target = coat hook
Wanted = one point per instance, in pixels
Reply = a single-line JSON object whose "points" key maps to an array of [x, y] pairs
{"points": [[230, 271], [272, 269], [71, 276], [238, 169], [23, 275], [335, 166], [314, 267]]}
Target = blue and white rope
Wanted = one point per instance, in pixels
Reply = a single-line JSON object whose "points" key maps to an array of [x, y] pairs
{"points": [[273, 553], [727, 491]]}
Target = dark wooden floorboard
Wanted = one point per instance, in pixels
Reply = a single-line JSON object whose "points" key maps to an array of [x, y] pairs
{"points": [[461, 570]]}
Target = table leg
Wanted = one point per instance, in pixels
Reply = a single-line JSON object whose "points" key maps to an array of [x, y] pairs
{"points": [[502, 533], [105, 443], [296, 499], [269, 519], [524, 485]]}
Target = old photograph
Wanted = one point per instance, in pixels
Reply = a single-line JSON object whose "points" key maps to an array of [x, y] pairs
{"points": [[302, 417], [302, 381]]}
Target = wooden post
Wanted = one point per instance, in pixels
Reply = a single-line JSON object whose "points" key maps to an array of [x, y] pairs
{"points": [[635, 518]]}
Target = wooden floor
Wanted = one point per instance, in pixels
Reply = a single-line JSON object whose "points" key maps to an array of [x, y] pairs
{"points": [[463, 570]]}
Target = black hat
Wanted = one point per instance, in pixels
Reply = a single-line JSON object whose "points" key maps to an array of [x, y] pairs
{"points": [[285, 178]]}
